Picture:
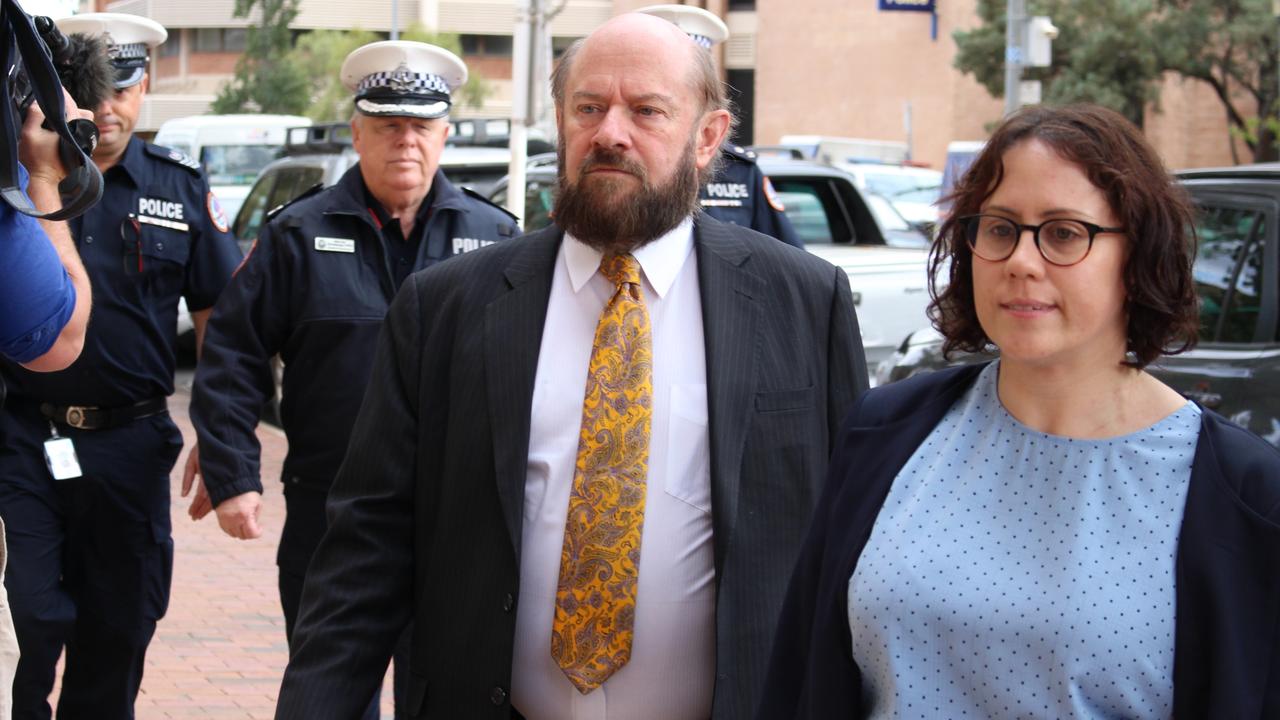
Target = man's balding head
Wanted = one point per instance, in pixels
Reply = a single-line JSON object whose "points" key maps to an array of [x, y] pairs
{"points": [[641, 113], [650, 35]]}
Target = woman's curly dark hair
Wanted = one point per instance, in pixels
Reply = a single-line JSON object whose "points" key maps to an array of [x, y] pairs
{"points": [[1160, 297]]}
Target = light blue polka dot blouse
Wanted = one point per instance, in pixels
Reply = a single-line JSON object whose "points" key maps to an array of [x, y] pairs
{"points": [[1012, 573]]}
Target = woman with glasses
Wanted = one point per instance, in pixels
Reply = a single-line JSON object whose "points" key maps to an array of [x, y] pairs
{"points": [[1055, 533]]}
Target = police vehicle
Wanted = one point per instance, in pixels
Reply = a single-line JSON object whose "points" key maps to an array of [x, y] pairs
{"points": [[1235, 369], [232, 148]]}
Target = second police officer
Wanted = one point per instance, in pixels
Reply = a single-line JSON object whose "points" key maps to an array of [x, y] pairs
{"points": [[85, 453], [739, 192], [315, 289]]}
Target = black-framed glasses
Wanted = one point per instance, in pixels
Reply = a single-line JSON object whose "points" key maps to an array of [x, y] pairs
{"points": [[1060, 242]]}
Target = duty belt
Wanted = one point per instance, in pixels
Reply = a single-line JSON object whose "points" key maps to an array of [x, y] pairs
{"points": [[85, 417]]}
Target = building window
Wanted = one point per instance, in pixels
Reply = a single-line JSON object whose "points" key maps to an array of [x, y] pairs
{"points": [[560, 44], [486, 45], [233, 39], [172, 46], [211, 40], [742, 91]]}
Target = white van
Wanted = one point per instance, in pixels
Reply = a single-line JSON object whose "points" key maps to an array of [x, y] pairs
{"points": [[232, 148]]}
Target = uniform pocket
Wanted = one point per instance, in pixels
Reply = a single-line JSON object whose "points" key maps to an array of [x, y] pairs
{"points": [[158, 570], [689, 447]]}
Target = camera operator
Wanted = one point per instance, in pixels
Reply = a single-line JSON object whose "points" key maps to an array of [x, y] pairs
{"points": [[44, 290], [91, 551]]}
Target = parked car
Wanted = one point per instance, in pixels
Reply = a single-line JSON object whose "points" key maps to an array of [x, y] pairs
{"points": [[1235, 370], [914, 191], [883, 256]]}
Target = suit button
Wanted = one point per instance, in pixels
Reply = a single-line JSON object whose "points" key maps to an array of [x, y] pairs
{"points": [[498, 696], [508, 602]]}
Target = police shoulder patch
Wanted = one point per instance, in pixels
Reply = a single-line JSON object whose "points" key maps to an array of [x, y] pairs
{"points": [[737, 152], [273, 212], [477, 196], [216, 215], [173, 156], [771, 195]]}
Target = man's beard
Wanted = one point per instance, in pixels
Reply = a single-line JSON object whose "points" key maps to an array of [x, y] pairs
{"points": [[602, 212]]}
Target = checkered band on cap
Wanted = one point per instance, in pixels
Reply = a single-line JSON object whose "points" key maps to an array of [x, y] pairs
{"points": [[405, 81], [702, 40], [128, 51]]}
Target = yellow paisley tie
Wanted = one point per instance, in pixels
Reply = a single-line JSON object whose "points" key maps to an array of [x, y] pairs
{"points": [[600, 563]]}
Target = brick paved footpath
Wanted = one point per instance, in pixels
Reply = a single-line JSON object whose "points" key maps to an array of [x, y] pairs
{"points": [[220, 651]]}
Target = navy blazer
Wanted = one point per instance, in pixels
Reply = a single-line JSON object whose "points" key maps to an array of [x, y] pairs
{"points": [[1227, 630]]}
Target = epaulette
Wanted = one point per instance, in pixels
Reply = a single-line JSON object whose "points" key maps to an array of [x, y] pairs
{"points": [[273, 212], [174, 156], [737, 152], [473, 194]]}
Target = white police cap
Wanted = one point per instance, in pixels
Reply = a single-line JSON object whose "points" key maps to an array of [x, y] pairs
{"points": [[129, 38], [703, 26], [398, 77]]}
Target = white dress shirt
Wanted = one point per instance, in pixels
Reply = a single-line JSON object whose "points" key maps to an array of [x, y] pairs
{"points": [[672, 668]]}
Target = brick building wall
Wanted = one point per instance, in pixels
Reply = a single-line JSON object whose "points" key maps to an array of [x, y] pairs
{"points": [[832, 67], [829, 67]]}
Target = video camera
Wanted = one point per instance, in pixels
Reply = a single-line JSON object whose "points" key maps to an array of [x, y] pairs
{"points": [[32, 74]]}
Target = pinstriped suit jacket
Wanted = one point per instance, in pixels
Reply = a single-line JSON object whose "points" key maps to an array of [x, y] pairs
{"points": [[425, 515]]}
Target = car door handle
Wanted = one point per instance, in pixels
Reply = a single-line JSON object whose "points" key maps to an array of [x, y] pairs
{"points": [[1207, 399]]}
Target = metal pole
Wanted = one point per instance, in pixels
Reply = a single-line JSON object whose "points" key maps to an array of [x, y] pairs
{"points": [[1014, 53], [521, 55], [395, 19], [906, 125]]}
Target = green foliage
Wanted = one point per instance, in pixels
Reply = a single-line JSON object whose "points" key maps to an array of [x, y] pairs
{"points": [[264, 81], [1115, 52], [319, 56], [1232, 46], [476, 89], [1105, 52], [322, 53]]}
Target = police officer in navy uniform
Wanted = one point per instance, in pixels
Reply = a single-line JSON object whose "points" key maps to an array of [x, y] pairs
{"points": [[315, 289], [739, 192], [85, 453]]}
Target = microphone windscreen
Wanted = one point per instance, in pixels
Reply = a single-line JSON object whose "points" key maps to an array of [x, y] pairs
{"points": [[86, 71]]}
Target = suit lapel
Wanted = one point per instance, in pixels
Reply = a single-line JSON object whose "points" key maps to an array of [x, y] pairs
{"points": [[512, 338], [730, 319]]}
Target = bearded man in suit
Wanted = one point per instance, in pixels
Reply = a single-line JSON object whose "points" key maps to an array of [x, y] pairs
{"points": [[587, 458]]}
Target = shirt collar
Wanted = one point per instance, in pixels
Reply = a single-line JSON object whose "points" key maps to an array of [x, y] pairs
{"points": [[131, 162], [660, 260]]}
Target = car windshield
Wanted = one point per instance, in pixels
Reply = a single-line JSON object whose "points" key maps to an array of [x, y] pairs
{"points": [[895, 185], [236, 164], [888, 217], [925, 194]]}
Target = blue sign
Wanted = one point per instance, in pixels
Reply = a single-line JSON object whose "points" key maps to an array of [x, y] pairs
{"points": [[909, 5]]}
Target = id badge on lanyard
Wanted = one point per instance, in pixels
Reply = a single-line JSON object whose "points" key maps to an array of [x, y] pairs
{"points": [[60, 456]]}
